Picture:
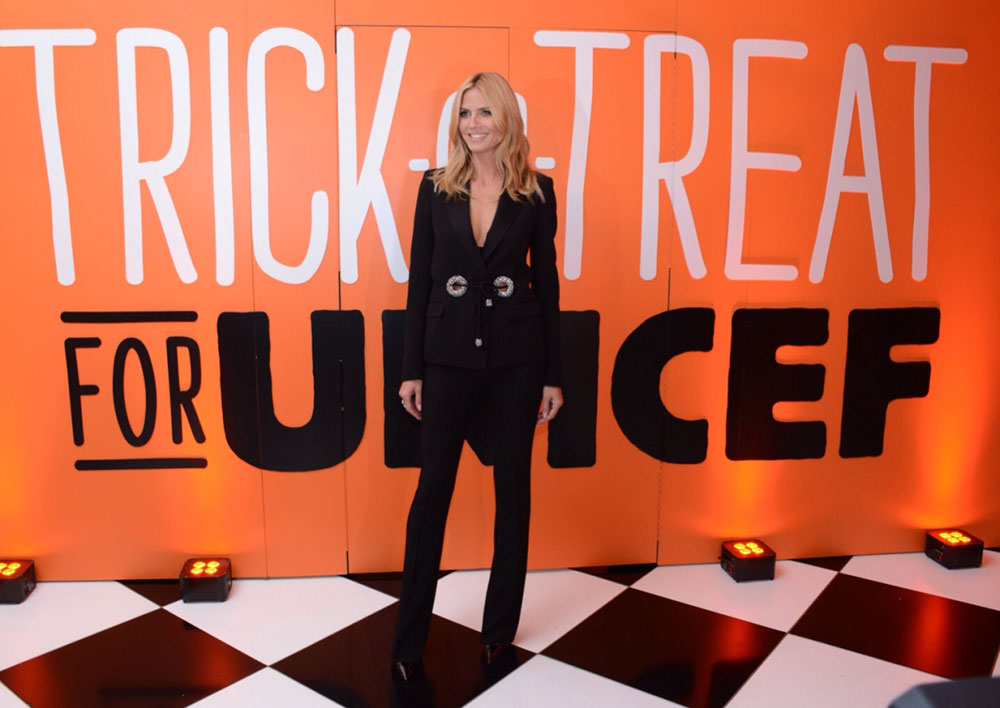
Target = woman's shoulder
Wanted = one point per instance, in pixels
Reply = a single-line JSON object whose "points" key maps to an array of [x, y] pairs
{"points": [[427, 181], [546, 187]]}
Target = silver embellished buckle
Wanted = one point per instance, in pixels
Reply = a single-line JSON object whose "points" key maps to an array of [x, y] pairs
{"points": [[457, 286], [504, 286]]}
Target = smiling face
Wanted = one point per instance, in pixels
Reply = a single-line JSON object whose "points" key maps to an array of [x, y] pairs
{"points": [[476, 124]]}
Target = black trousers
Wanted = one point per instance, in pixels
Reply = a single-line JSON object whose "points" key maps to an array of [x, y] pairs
{"points": [[510, 396]]}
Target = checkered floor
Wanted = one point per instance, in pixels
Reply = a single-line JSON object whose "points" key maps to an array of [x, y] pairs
{"points": [[854, 631]]}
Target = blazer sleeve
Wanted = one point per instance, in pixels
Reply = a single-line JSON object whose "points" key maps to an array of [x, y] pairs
{"points": [[545, 279], [419, 288]]}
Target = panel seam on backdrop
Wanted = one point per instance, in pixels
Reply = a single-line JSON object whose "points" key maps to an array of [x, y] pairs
{"points": [[343, 431], [673, 153], [260, 443]]}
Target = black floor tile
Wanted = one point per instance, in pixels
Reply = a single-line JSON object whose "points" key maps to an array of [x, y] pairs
{"points": [[351, 667], [162, 592], [389, 583], [679, 652], [830, 562], [156, 659], [925, 632], [624, 574]]}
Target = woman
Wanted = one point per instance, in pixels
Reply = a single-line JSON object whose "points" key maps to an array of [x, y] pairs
{"points": [[481, 325]]}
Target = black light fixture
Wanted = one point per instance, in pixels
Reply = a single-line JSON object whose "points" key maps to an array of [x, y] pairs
{"points": [[17, 579], [206, 579], [751, 559], [953, 548]]}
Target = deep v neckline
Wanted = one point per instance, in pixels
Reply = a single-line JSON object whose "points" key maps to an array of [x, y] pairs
{"points": [[489, 227], [461, 220]]}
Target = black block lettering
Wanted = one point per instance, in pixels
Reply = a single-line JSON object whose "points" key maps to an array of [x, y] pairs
{"points": [[872, 379], [132, 344], [757, 381], [401, 446], [182, 400], [338, 421], [573, 433], [76, 389], [635, 384]]}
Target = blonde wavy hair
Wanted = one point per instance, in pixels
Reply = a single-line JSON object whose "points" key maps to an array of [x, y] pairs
{"points": [[519, 180]]}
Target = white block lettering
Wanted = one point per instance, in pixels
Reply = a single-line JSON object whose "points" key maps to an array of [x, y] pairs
{"points": [[358, 191], [742, 159], [257, 125], [854, 86], [584, 43], [44, 40], [923, 57]]}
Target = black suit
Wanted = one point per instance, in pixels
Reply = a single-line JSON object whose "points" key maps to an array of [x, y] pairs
{"points": [[486, 352], [442, 329]]}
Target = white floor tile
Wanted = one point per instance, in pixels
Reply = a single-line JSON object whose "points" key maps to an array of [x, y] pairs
{"points": [[555, 601], [55, 614], [460, 597], [774, 603], [265, 689], [543, 683], [271, 619], [801, 672], [9, 699], [915, 571]]}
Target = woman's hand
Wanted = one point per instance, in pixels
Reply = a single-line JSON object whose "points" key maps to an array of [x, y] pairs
{"points": [[552, 401], [411, 394]]}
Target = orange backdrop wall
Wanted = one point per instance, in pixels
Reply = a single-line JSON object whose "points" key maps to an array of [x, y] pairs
{"points": [[777, 247]]}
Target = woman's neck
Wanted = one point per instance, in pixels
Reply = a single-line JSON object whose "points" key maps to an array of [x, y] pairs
{"points": [[484, 169]]}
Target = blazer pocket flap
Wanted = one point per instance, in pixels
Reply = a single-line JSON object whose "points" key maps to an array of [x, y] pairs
{"points": [[435, 309]]}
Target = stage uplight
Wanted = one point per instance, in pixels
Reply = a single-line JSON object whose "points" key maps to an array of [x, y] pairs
{"points": [[748, 560], [206, 579], [17, 579], [953, 548]]}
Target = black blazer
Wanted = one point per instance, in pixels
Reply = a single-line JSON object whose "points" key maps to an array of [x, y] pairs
{"points": [[482, 329]]}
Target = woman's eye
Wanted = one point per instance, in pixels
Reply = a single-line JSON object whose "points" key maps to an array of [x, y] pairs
{"points": [[463, 113]]}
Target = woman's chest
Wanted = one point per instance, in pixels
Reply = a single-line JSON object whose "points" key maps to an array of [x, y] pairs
{"points": [[481, 215]]}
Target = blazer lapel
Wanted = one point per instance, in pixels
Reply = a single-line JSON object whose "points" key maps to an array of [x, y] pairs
{"points": [[458, 212], [506, 213]]}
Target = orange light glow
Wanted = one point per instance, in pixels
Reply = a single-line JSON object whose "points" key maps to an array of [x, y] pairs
{"points": [[205, 567], [10, 568], [746, 548], [954, 537]]}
